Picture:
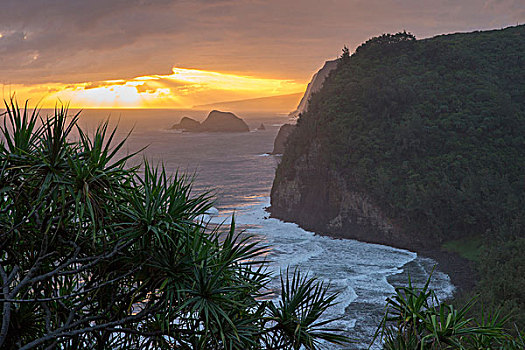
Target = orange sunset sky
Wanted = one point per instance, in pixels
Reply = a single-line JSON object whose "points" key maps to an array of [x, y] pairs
{"points": [[178, 54]]}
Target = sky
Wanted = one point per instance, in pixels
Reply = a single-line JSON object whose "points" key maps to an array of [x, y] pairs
{"points": [[176, 54]]}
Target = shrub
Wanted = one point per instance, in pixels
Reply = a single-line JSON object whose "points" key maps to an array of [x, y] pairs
{"points": [[416, 319], [97, 254]]}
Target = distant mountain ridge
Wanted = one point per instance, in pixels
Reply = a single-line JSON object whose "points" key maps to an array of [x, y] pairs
{"points": [[280, 103]]}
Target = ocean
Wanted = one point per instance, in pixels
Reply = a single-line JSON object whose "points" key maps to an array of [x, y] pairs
{"points": [[239, 170]]}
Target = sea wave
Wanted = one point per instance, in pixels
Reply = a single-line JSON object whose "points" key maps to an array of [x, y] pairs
{"points": [[359, 271]]}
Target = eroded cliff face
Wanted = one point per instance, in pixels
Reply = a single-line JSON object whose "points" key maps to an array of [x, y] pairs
{"points": [[314, 86], [324, 201]]}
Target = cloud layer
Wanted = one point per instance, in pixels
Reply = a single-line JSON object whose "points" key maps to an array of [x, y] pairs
{"points": [[183, 88], [71, 41]]}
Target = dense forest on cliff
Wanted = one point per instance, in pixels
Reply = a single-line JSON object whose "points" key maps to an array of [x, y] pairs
{"points": [[434, 131]]}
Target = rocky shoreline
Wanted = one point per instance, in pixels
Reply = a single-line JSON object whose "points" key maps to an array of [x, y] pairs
{"points": [[319, 199], [461, 271]]}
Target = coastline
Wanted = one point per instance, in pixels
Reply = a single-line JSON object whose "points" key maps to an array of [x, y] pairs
{"points": [[462, 272]]}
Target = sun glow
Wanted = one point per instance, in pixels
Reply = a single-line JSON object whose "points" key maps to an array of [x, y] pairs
{"points": [[183, 88]]}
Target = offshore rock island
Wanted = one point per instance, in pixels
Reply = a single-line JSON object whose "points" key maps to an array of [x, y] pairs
{"points": [[216, 121]]}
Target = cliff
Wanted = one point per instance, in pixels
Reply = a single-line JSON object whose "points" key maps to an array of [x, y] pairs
{"points": [[315, 84], [411, 143], [323, 200], [280, 140]]}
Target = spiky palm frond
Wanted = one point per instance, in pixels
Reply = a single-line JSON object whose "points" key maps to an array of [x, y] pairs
{"points": [[416, 319], [98, 254], [297, 316]]}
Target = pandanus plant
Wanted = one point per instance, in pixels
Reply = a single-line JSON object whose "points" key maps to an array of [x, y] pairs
{"points": [[416, 319], [98, 254]]}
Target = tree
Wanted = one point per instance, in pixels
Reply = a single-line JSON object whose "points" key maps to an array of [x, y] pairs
{"points": [[386, 40], [98, 254], [345, 55]]}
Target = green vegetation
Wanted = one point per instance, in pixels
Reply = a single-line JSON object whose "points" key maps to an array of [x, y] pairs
{"points": [[434, 132], [95, 254], [469, 248], [416, 319]]}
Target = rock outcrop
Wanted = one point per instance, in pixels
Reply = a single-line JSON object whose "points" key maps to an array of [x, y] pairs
{"points": [[261, 127], [279, 143], [319, 198], [218, 121], [315, 85], [187, 124], [324, 201]]}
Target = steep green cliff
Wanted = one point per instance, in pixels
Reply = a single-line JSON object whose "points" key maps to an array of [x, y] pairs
{"points": [[415, 142]]}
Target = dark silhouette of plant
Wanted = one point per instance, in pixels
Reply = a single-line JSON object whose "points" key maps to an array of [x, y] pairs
{"points": [[386, 41], [345, 54], [97, 254], [416, 319]]}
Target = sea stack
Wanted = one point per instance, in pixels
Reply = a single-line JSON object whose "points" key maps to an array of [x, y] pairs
{"points": [[187, 124], [218, 121]]}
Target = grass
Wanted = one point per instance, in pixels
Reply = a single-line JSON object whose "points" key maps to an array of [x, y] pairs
{"points": [[469, 248]]}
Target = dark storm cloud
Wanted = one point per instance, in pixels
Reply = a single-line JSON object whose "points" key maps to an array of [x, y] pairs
{"points": [[93, 24], [86, 40], [67, 34]]}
